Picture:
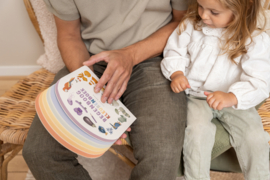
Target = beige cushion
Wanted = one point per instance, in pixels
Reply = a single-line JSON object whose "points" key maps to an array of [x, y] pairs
{"points": [[51, 60]]}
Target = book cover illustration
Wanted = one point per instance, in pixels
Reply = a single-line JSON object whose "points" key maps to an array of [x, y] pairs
{"points": [[74, 115]]}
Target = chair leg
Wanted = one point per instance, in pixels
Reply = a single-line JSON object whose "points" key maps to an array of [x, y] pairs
{"points": [[4, 149]]}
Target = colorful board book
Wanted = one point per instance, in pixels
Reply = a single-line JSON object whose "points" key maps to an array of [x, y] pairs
{"points": [[73, 114]]}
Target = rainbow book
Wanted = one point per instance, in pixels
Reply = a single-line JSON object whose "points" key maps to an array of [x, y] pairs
{"points": [[73, 114]]}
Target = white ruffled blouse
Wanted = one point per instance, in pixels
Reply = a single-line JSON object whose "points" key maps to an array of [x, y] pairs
{"points": [[197, 54]]}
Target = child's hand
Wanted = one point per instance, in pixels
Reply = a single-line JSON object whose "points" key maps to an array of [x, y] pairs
{"points": [[179, 82], [123, 136], [219, 100]]}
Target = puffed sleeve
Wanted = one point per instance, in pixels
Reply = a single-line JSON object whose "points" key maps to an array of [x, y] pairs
{"points": [[254, 84], [63, 9], [176, 57]]}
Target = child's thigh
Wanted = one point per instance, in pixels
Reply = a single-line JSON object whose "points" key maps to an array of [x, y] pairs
{"points": [[198, 112], [241, 124], [240, 119]]}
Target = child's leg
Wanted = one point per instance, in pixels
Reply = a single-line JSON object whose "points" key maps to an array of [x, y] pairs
{"points": [[249, 140], [199, 140]]}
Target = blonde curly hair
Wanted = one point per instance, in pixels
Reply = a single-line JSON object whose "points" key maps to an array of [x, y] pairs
{"points": [[239, 30]]}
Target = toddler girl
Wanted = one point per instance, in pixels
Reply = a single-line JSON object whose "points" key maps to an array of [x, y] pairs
{"points": [[221, 60]]}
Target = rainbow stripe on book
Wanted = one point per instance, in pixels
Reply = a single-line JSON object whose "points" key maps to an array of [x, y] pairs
{"points": [[74, 115]]}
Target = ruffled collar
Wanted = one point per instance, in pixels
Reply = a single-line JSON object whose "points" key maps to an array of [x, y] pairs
{"points": [[216, 32]]}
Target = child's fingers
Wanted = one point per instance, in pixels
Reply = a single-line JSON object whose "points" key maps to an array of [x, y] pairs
{"points": [[175, 89], [187, 84], [123, 136], [118, 142], [206, 93], [183, 86], [220, 106], [211, 101], [178, 86], [179, 89], [172, 87], [209, 96], [215, 104]]}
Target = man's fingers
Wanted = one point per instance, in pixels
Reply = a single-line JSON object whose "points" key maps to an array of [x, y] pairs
{"points": [[122, 89], [94, 59], [112, 85], [128, 129], [116, 86], [107, 75]]}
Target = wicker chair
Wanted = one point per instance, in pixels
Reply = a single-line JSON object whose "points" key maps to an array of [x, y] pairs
{"points": [[17, 110]]}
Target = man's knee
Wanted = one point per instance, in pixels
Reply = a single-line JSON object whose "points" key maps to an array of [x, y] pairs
{"points": [[157, 162], [33, 154], [37, 144], [28, 153], [165, 151]]}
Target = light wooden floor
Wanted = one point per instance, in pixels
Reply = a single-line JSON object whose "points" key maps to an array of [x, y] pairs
{"points": [[17, 167]]}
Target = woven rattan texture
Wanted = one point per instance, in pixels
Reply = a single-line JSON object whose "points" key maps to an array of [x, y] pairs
{"points": [[17, 106], [226, 176], [264, 112]]}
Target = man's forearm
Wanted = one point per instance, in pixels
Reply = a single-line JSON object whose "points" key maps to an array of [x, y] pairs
{"points": [[153, 45], [73, 52]]}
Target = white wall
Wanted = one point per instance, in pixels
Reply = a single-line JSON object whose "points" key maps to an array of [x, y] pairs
{"points": [[20, 45]]}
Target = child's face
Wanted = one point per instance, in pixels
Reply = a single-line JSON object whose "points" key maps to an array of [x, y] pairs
{"points": [[214, 14]]}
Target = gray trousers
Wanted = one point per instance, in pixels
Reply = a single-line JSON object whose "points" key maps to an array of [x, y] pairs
{"points": [[157, 135], [247, 137]]}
